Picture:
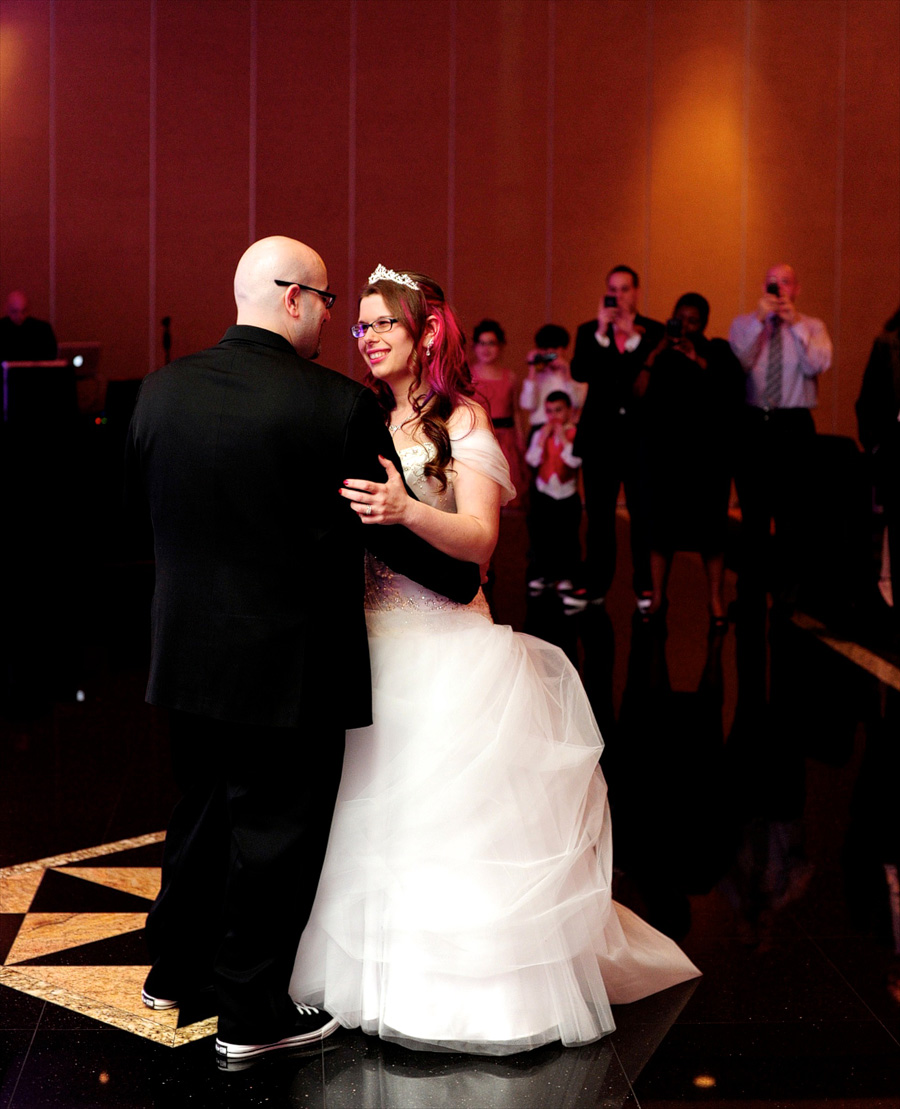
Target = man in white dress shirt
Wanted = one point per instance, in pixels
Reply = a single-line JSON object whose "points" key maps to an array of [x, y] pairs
{"points": [[610, 356], [782, 353]]}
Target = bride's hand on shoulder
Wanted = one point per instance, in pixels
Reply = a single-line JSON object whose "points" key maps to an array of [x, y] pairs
{"points": [[375, 503]]}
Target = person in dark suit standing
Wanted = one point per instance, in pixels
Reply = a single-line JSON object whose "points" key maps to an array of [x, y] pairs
{"points": [[878, 420], [610, 353], [259, 646], [22, 337]]}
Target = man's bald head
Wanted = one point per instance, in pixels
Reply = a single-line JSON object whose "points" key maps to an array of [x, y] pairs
{"points": [[291, 311], [17, 307]]}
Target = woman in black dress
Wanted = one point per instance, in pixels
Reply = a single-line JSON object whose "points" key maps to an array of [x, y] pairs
{"points": [[693, 395]]}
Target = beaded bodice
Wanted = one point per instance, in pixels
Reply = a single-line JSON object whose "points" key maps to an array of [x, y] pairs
{"points": [[388, 591], [414, 460]]}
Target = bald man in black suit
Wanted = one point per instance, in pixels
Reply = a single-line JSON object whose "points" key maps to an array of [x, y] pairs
{"points": [[259, 639]]}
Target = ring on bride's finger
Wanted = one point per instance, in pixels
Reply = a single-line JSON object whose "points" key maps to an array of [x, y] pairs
{"points": [[369, 511]]}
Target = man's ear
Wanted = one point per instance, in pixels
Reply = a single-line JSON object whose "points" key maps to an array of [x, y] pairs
{"points": [[291, 301]]}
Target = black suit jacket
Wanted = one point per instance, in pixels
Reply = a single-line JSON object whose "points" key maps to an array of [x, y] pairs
{"points": [[30, 341], [878, 405], [611, 405], [239, 453]]}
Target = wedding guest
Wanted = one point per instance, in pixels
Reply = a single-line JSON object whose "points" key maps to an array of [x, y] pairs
{"points": [[548, 372], [782, 353], [609, 355], [692, 403], [22, 337], [554, 515], [878, 417], [496, 388]]}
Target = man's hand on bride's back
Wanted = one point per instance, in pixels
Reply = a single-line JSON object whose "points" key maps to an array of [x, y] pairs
{"points": [[375, 503]]}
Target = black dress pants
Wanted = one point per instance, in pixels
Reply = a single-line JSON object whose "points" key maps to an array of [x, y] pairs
{"points": [[553, 530], [243, 854], [621, 457], [775, 463]]}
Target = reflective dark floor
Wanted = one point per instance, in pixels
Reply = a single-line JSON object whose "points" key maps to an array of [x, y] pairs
{"points": [[756, 820]]}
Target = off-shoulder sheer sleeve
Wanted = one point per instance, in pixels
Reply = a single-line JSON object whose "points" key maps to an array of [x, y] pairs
{"points": [[479, 449]]}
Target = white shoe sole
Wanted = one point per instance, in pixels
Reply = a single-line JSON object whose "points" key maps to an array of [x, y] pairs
{"points": [[580, 602], [157, 1002]]}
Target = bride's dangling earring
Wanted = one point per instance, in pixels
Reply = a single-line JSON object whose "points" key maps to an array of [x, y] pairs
{"points": [[428, 347]]}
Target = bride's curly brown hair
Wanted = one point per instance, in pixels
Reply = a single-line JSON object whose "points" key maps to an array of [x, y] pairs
{"points": [[444, 369]]}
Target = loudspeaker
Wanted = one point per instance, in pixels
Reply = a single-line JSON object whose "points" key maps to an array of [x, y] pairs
{"points": [[36, 394]]}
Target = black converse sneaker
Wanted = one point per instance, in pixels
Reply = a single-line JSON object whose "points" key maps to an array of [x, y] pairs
{"points": [[310, 1025]]}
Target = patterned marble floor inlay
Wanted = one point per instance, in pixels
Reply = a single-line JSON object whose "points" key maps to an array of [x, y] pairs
{"points": [[140, 880], [71, 933], [48, 933], [879, 667], [17, 890]]}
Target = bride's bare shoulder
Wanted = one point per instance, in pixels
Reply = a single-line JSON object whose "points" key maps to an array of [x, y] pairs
{"points": [[467, 417]]}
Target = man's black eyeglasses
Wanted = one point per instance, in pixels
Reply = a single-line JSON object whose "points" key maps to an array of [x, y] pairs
{"points": [[329, 298]]}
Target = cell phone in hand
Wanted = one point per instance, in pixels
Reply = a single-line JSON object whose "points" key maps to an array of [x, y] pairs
{"points": [[610, 302], [773, 290]]}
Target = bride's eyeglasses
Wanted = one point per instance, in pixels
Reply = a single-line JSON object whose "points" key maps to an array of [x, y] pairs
{"points": [[378, 326]]}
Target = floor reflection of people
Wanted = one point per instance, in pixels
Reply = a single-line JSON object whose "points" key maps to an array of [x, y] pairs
{"points": [[665, 771], [872, 852], [664, 760], [381, 1078], [810, 710], [465, 900]]}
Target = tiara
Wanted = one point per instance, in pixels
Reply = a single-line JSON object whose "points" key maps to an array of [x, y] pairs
{"points": [[381, 274]]}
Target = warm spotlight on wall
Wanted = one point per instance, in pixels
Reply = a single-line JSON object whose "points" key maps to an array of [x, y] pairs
{"points": [[700, 123], [12, 50]]}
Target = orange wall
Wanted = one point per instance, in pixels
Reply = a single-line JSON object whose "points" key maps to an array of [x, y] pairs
{"points": [[515, 148]]}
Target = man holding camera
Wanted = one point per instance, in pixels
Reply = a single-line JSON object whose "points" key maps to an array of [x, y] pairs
{"points": [[610, 355], [782, 353]]}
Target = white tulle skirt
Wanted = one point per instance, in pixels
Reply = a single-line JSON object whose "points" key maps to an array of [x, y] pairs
{"points": [[465, 898]]}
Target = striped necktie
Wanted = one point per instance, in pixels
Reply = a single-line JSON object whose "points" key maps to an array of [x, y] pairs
{"points": [[773, 369]]}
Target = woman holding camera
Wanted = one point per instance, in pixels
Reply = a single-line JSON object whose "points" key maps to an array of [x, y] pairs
{"points": [[693, 398]]}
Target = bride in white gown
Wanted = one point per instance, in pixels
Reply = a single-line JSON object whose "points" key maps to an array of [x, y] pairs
{"points": [[465, 901]]}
